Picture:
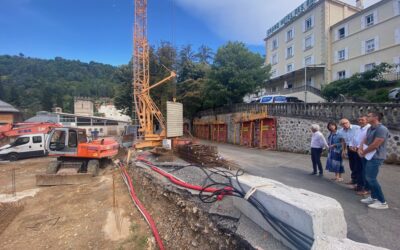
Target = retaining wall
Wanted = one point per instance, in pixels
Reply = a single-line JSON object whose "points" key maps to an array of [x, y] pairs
{"points": [[294, 121]]}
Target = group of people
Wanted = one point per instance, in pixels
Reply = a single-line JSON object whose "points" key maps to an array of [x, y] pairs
{"points": [[365, 147]]}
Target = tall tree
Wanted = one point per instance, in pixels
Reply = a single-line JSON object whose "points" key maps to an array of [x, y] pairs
{"points": [[236, 72], [205, 54]]}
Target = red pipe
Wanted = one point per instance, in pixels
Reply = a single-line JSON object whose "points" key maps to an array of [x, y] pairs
{"points": [[142, 208], [173, 179]]}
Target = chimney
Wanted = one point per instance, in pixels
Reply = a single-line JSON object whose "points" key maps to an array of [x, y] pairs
{"points": [[360, 4]]}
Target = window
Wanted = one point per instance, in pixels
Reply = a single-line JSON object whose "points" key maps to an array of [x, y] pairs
{"points": [[307, 60], [370, 46], [37, 139], [308, 23], [289, 52], [341, 74], [369, 20], [341, 55], [308, 42], [274, 43], [341, 33], [289, 35], [289, 67], [21, 141], [274, 59], [369, 66], [273, 73], [309, 81]]}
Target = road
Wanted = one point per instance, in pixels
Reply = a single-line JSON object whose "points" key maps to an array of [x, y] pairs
{"points": [[366, 225]]}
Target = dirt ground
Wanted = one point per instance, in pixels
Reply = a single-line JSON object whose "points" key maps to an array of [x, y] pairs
{"points": [[70, 217]]}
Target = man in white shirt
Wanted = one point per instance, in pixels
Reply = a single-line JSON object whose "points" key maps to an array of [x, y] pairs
{"points": [[362, 187], [318, 143]]}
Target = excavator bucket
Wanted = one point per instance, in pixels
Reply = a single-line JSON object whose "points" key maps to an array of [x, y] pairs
{"points": [[62, 179]]}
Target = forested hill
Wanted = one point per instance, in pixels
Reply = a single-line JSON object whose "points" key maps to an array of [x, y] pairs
{"points": [[32, 84]]}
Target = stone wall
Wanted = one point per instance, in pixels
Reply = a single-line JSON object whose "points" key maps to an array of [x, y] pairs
{"points": [[294, 135]]}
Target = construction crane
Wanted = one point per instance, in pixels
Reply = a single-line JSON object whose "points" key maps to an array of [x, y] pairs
{"points": [[146, 111]]}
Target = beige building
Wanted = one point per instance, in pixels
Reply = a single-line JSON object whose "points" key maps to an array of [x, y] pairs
{"points": [[83, 106], [325, 40], [366, 39], [298, 48]]}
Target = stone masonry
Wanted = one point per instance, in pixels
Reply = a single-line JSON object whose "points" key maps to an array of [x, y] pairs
{"points": [[294, 135]]}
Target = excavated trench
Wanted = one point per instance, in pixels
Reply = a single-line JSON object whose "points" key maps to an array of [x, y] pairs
{"points": [[183, 220]]}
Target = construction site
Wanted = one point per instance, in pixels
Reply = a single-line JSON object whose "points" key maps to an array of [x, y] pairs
{"points": [[231, 178]]}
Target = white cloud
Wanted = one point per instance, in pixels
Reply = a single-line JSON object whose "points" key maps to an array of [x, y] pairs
{"points": [[243, 20]]}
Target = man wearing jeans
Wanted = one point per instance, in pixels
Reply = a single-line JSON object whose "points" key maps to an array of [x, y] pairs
{"points": [[375, 153]]}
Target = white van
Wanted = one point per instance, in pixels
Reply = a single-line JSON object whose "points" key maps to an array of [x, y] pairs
{"points": [[273, 99], [25, 146]]}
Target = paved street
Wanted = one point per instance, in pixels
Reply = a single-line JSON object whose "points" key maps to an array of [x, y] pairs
{"points": [[377, 227]]}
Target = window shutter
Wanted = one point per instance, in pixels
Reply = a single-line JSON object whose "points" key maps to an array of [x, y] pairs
{"points": [[312, 40], [304, 62], [376, 43], [312, 81], [376, 17], [294, 33], [362, 22], [312, 21], [286, 54], [362, 47], [293, 50], [336, 56], [336, 76], [397, 36], [348, 73], [304, 25], [396, 7], [277, 58], [336, 34], [362, 68], [304, 44], [277, 42], [346, 29], [346, 53], [312, 60]]}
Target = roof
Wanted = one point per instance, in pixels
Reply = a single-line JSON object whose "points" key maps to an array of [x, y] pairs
{"points": [[5, 107], [362, 12], [301, 11]]}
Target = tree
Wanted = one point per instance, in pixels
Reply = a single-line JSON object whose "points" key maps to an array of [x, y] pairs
{"points": [[123, 99], [360, 85], [205, 54], [236, 72]]}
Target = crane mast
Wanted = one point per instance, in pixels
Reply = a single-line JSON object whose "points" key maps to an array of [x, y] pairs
{"points": [[146, 110]]}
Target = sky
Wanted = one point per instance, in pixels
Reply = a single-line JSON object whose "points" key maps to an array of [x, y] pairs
{"points": [[101, 30]]}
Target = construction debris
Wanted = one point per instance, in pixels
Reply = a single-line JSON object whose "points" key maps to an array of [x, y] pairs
{"points": [[204, 155], [8, 211]]}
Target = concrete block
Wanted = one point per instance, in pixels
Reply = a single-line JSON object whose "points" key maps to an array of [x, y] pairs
{"points": [[331, 243], [308, 212]]}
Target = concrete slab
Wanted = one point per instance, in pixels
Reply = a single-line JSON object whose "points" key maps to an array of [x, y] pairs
{"points": [[308, 212], [256, 236], [331, 243], [225, 208]]}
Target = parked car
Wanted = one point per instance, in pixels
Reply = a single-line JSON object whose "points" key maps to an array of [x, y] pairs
{"points": [[273, 99], [25, 146], [394, 94], [293, 99]]}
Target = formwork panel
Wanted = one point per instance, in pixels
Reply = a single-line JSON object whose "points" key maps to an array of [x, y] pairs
{"points": [[268, 133], [245, 134]]}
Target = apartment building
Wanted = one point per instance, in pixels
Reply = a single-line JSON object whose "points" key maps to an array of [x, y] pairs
{"points": [[298, 48], [366, 39]]}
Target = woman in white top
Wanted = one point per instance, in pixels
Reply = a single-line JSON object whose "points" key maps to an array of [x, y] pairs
{"points": [[318, 143]]}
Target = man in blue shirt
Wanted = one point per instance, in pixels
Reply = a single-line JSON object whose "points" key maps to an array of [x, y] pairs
{"points": [[374, 152], [349, 132]]}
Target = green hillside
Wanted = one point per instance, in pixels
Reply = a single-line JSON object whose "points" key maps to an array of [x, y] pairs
{"points": [[32, 84]]}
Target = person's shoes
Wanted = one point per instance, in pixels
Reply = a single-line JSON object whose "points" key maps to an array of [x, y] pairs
{"points": [[339, 180], [368, 200], [313, 173], [379, 205], [362, 192], [357, 189], [321, 174], [349, 183]]}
